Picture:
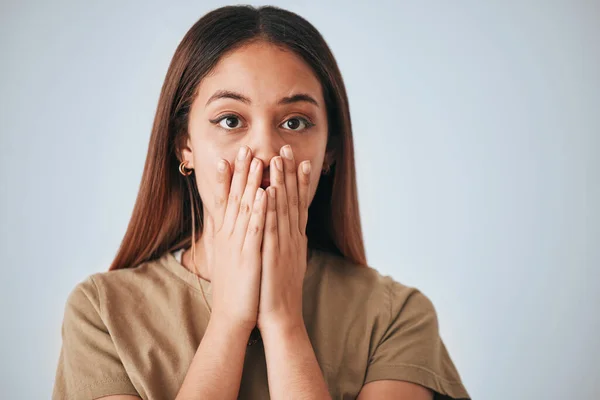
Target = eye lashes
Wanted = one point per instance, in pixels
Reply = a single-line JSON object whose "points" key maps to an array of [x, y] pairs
{"points": [[216, 121]]}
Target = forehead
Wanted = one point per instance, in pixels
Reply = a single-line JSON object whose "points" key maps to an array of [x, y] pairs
{"points": [[262, 71]]}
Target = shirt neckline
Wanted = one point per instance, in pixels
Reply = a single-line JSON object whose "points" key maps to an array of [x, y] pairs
{"points": [[170, 261]]}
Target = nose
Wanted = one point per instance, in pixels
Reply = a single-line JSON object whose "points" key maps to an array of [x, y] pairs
{"points": [[265, 144]]}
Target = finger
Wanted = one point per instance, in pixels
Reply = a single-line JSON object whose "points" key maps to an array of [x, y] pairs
{"points": [[271, 238], [221, 193], [291, 186], [278, 181], [256, 225], [238, 185], [303, 194], [248, 198]]}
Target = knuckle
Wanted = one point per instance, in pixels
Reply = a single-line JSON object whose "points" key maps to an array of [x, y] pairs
{"points": [[272, 227], [284, 211], [219, 201], [303, 204], [294, 201], [254, 230], [234, 198], [244, 208]]}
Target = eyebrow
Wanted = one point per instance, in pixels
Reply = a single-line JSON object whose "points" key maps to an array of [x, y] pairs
{"points": [[228, 94]]}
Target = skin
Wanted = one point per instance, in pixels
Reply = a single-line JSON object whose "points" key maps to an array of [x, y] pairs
{"points": [[254, 248], [265, 74]]}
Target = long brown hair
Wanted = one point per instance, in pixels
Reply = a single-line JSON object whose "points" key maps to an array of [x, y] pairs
{"points": [[162, 218]]}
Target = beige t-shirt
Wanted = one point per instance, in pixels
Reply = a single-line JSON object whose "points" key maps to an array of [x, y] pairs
{"points": [[136, 330]]}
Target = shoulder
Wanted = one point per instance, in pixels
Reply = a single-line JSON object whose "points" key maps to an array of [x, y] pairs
{"points": [[339, 270], [82, 302], [100, 290], [393, 325], [375, 289], [89, 364], [358, 295]]}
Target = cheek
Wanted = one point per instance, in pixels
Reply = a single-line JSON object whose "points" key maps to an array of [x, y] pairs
{"points": [[206, 171], [315, 175], [315, 152], [207, 154], [312, 150], [314, 182]]}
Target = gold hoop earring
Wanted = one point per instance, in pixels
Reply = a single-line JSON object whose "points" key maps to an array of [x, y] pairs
{"points": [[182, 169]]}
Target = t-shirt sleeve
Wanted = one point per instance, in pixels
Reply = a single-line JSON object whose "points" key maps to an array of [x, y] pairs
{"points": [[411, 348], [88, 366]]}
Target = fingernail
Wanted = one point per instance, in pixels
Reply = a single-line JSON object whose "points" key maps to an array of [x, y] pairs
{"points": [[254, 165], [287, 151], [306, 167], [242, 153], [221, 166], [279, 163], [259, 193]]}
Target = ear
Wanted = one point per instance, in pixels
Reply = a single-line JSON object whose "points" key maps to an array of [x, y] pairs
{"points": [[187, 154], [330, 153], [328, 160]]}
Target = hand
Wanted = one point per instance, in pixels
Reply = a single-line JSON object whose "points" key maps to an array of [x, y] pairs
{"points": [[285, 243], [235, 235]]}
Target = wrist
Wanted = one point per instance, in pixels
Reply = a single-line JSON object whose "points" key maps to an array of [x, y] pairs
{"points": [[285, 327], [230, 327]]}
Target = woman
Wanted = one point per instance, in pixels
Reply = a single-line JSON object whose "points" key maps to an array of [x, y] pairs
{"points": [[243, 270]]}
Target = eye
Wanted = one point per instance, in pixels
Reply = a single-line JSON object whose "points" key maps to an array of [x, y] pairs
{"points": [[294, 122], [230, 121]]}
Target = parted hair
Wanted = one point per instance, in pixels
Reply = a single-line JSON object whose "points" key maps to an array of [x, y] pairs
{"points": [[162, 217]]}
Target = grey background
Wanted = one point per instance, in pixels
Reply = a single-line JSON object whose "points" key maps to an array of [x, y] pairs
{"points": [[477, 128]]}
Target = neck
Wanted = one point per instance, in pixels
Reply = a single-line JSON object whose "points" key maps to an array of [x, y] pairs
{"points": [[201, 265]]}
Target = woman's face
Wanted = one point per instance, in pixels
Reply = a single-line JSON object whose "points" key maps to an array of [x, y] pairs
{"points": [[263, 76]]}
